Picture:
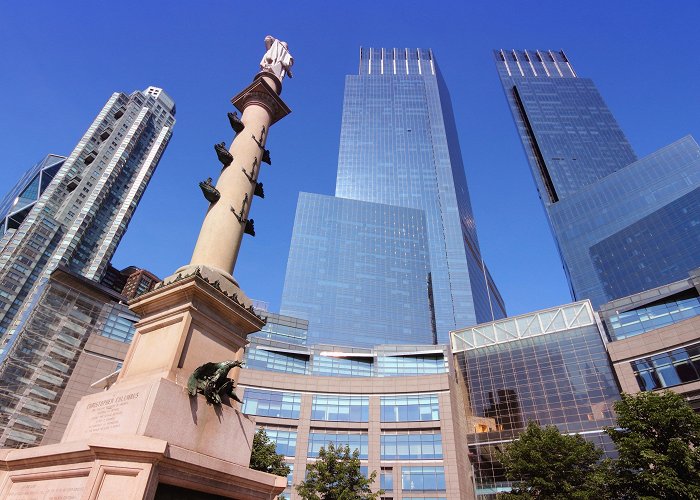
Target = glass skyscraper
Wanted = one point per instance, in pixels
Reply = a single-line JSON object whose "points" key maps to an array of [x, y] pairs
{"points": [[622, 224], [76, 214], [399, 148], [369, 264]]}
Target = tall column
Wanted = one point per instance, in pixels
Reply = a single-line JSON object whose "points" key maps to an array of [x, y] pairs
{"points": [[158, 431], [225, 222]]}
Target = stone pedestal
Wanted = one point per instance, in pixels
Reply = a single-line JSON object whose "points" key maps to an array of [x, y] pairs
{"points": [[196, 316], [146, 431], [125, 467]]}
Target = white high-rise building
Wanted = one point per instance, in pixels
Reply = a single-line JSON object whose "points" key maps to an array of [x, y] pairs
{"points": [[79, 214]]}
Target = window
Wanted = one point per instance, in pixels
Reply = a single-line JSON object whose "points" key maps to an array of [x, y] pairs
{"points": [[271, 403], [353, 440], [428, 498], [290, 476], [119, 327], [285, 441], [423, 478], [386, 479], [343, 367], [646, 319], [416, 408], [411, 446], [411, 365], [262, 359], [669, 368], [340, 408]]}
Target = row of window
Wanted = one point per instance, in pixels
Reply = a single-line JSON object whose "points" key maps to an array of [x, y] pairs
{"points": [[398, 446], [415, 479], [386, 366], [411, 446], [337, 408], [271, 403], [669, 368], [645, 319], [318, 440], [340, 408]]}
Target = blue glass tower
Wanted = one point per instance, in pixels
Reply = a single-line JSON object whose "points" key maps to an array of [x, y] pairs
{"points": [[622, 224], [399, 147], [358, 272]]}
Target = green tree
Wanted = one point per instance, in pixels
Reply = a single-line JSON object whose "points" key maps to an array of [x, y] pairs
{"points": [[264, 457], [544, 463], [658, 442], [336, 476]]}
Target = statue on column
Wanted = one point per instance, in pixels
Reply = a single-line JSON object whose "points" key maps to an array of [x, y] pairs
{"points": [[277, 60]]}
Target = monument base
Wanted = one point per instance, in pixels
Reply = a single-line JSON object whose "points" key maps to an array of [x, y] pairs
{"points": [[118, 467], [162, 409], [147, 440]]}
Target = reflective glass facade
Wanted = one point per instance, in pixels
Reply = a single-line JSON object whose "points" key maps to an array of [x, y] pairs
{"points": [[637, 229], [550, 367], [344, 367], [280, 361], [282, 328], [285, 441], [658, 248], [398, 148], [17, 203], [571, 138], [399, 145], [404, 424], [412, 364], [358, 272], [622, 225]]}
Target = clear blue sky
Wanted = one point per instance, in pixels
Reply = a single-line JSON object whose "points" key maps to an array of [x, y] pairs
{"points": [[60, 62]]}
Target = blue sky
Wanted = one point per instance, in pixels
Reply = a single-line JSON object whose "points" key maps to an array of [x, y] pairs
{"points": [[60, 62]]}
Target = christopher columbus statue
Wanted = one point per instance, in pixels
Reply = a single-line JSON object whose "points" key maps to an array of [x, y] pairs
{"points": [[277, 60]]}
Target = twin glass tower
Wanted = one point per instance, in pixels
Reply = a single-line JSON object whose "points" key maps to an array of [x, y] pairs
{"points": [[393, 257], [622, 224]]}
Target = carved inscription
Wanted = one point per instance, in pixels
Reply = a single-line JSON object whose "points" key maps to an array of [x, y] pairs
{"points": [[51, 489], [106, 414]]}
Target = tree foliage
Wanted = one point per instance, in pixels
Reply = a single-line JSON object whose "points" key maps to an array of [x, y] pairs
{"points": [[544, 463], [658, 441], [657, 437], [336, 476], [265, 458]]}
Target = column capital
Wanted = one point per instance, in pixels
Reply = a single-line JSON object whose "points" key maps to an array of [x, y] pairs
{"points": [[261, 93]]}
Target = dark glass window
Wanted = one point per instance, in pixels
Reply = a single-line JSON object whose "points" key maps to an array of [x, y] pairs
{"points": [[667, 369], [271, 403]]}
